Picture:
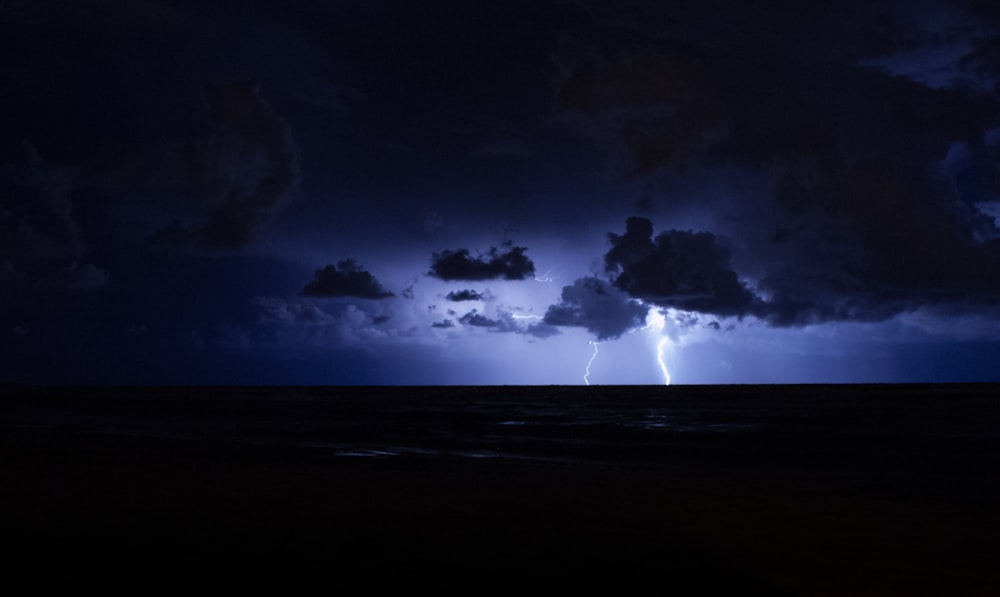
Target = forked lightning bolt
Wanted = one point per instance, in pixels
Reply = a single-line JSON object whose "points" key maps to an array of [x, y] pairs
{"points": [[655, 322]]}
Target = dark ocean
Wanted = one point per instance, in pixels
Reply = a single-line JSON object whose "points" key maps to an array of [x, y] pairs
{"points": [[512, 422], [739, 425], [763, 489]]}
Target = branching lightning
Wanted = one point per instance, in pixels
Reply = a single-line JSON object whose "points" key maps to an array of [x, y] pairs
{"points": [[586, 375], [655, 321]]}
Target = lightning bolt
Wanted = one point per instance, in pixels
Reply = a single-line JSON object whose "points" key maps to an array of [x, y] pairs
{"points": [[659, 359], [586, 375], [545, 277], [655, 321]]}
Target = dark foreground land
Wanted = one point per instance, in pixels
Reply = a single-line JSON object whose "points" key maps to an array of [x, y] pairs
{"points": [[828, 490]]}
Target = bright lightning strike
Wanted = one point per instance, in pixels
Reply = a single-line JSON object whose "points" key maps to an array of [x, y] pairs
{"points": [[586, 374], [659, 359], [655, 321]]}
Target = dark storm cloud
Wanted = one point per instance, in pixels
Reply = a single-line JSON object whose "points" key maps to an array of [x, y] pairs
{"points": [[881, 261], [464, 295], [346, 278], [866, 133], [243, 172], [676, 87], [677, 268], [597, 306], [882, 240], [459, 264], [443, 324]]}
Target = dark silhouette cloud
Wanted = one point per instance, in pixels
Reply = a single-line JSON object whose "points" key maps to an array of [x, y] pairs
{"points": [[346, 278], [443, 324], [465, 295], [459, 264], [597, 306], [879, 244], [677, 268]]}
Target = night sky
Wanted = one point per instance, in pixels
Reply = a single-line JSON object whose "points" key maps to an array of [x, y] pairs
{"points": [[543, 192]]}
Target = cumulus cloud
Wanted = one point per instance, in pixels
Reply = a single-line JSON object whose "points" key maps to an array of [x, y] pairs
{"points": [[681, 269], [459, 264], [346, 278], [243, 172], [597, 306], [465, 295]]}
